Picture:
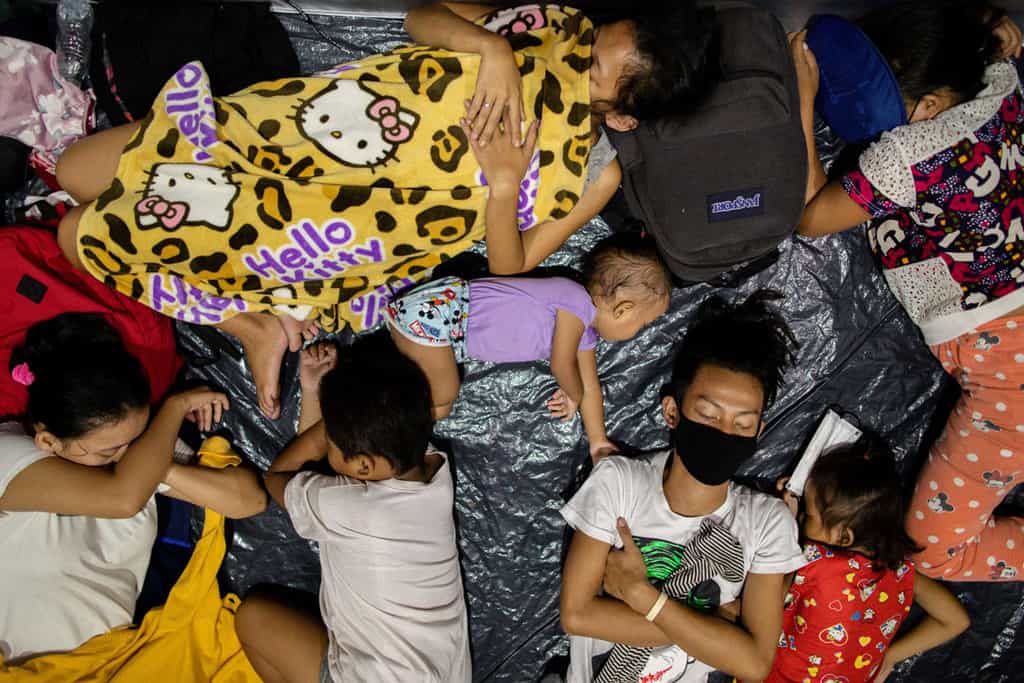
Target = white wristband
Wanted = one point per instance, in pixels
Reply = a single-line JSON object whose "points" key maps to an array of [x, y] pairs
{"points": [[656, 608]]}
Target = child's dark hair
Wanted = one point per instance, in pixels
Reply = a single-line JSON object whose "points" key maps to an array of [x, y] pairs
{"points": [[84, 377], [626, 262], [857, 489], [377, 402], [676, 62], [749, 337], [934, 44]]}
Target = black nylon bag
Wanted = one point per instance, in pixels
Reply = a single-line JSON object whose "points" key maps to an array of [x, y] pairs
{"points": [[725, 184]]}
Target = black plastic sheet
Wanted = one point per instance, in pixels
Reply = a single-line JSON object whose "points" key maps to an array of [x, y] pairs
{"points": [[514, 464]]}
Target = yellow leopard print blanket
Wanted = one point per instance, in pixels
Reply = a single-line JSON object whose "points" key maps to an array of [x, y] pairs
{"points": [[323, 195]]}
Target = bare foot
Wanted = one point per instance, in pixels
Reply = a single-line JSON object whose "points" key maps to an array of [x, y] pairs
{"points": [[315, 362], [297, 331], [265, 343]]}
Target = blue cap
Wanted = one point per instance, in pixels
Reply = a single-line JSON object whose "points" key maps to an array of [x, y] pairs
{"points": [[858, 98]]}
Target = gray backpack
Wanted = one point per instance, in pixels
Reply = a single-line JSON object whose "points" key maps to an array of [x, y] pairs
{"points": [[724, 185]]}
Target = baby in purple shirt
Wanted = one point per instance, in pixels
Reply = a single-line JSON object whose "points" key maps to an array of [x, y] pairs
{"points": [[440, 324]]}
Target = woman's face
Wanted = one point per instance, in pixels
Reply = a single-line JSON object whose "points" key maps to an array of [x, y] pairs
{"points": [[105, 444], [614, 45]]}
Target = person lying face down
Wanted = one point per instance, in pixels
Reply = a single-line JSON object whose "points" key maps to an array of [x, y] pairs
{"points": [[662, 541], [77, 478], [391, 600], [505, 320]]}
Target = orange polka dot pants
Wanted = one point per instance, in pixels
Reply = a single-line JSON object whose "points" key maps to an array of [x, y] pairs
{"points": [[976, 462]]}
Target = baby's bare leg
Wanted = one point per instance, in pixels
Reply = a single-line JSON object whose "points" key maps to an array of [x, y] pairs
{"points": [[438, 364], [88, 167]]}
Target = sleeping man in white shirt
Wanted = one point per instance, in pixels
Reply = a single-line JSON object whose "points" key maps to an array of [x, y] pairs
{"points": [[662, 541]]}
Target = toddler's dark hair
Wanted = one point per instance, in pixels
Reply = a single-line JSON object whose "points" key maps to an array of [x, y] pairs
{"points": [[377, 402], [749, 337], [84, 376], [932, 44], [676, 60], [858, 489], [626, 262]]}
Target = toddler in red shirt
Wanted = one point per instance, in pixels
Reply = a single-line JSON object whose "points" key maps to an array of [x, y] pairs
{"points": [[844, 607]]}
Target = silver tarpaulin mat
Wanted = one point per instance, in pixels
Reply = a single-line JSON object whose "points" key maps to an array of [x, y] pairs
{"points": [[514, 465]]}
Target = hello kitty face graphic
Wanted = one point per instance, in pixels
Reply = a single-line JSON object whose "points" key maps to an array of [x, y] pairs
{"points": [[177, 195], [355, 126]]}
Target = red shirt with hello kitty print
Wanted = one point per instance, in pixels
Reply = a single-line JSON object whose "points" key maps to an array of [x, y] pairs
{"points": [[840, 616]]}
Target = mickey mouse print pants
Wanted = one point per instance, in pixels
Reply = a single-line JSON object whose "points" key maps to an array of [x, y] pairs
{"points": [[977, 460]]}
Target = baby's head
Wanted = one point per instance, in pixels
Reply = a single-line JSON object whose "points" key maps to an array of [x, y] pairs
{"points": [[629, 284], [376, 410], [853, 499], [88, 396], [657, 62]]}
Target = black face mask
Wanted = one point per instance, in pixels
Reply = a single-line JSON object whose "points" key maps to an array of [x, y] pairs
{"points": [[710, 455]]}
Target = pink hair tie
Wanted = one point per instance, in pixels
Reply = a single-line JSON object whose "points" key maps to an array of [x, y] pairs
{"points": [[22, 375]]}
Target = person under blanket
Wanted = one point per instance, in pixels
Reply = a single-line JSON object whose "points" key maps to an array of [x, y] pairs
{"points": [[943, 194], [305, 202], [507, 320], [77, 477], [391, 601], [690, 539]]}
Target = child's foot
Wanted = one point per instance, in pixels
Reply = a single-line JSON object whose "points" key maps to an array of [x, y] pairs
{"points": [[298, 331], [316, 361], [265, 344]]}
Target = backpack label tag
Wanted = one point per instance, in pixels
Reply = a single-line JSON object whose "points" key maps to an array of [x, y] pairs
{"points": [[726, 206]]}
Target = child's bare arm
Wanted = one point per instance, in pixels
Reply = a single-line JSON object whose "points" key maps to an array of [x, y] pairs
{"points": [[233, 491], [308, 446], [564, 357], [592, 406], [944, 620]]}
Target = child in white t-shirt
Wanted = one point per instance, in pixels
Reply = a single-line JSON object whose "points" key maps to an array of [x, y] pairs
{"points": [[690, 539], [391, 600]]}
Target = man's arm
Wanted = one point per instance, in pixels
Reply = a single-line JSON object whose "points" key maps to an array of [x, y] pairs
{"points": [[746, 651], [586, 613]]}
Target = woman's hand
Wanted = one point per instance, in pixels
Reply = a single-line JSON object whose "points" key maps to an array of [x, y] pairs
{"points": [[791, 500], [504, 164], [499, 93], [201, 405], [1009, 36], [625, 570], [808, 76]]}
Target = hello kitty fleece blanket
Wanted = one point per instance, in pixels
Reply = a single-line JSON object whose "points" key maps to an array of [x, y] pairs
{"points": [[322, 196]]}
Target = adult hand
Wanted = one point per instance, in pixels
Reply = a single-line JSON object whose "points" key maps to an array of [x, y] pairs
{"points": [[201, 405], [561, 405], [1009, 36], [625, 570], [807, 74], [498, 94], [503, 163]]}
